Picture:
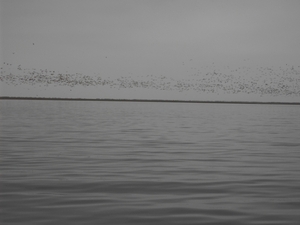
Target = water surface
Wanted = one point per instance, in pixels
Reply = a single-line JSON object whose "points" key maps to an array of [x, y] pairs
{"points": [[65, 162]]}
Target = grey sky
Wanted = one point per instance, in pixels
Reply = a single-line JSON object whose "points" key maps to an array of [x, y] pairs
{"points": [[122, 38]]}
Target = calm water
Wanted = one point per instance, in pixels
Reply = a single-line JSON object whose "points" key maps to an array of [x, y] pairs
{"points": [[148, 163]]}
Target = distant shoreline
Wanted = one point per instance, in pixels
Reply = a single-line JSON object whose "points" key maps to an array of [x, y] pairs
{"points": [[146, 100]]}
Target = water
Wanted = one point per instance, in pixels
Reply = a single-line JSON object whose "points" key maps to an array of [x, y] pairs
{"points": [[65, 162]]}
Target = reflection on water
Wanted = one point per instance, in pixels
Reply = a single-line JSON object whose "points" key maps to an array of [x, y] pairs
{"points": [[148, 163]]}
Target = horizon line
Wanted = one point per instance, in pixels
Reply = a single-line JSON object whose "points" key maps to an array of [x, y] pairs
{"points": [[144, 100]]}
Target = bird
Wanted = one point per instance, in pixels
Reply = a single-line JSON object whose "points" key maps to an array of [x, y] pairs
{"points": [[262, 80]]}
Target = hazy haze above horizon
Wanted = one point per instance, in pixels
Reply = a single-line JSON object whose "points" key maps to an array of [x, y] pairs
{"points": [[173, 41]]}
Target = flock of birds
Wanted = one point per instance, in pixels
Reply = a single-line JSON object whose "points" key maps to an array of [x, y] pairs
{"points": [[263, 81]]}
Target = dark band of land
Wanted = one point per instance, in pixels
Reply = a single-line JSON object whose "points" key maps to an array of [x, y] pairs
{"points": [[146, 100]]}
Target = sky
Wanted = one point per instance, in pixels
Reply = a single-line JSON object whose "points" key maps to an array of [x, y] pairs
{"points": [[151, 49]]}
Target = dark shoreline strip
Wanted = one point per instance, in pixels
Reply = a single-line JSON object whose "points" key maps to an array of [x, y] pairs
{"points": [[146, 100]]}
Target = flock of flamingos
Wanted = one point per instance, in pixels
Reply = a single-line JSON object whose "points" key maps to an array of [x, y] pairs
{"points": [[280, 81]]}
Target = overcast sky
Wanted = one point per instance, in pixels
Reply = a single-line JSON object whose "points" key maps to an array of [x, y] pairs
{"points": [[137, 38]]}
